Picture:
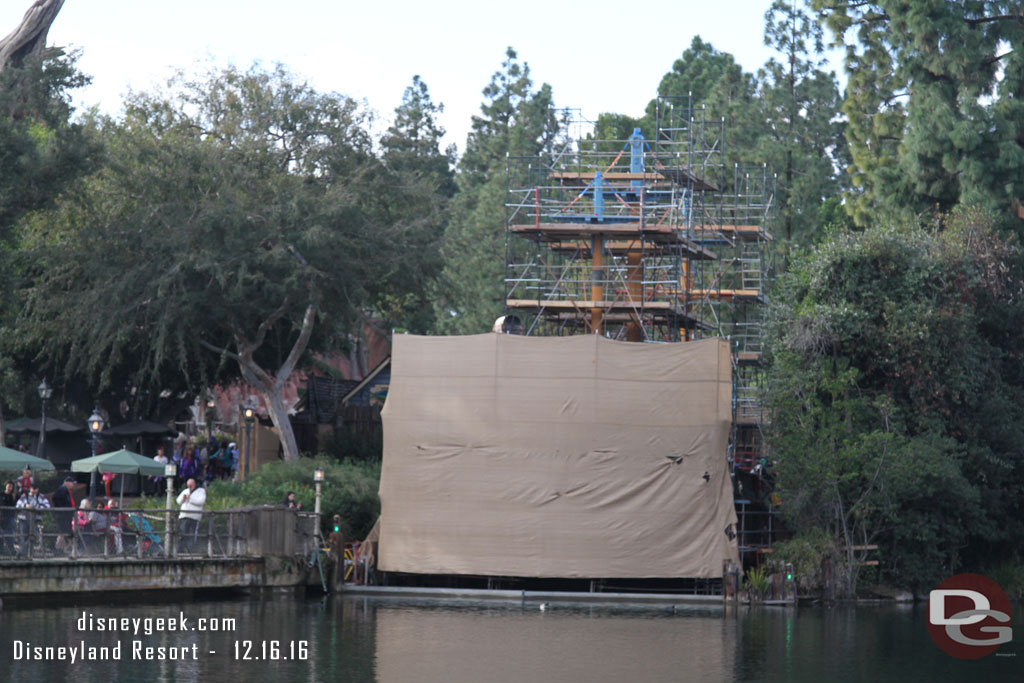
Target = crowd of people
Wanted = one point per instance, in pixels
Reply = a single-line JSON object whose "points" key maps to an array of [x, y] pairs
{"points": [[204, 463], [82, 525], [85, 526]]}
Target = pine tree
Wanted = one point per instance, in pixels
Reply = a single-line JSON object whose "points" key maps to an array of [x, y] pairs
{"points": [[411, 151], [803, 136], [413, 142], [514, 120], [933, 102]]}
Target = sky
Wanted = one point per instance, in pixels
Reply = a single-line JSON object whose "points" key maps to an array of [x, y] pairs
{"points": [[598, 56]]}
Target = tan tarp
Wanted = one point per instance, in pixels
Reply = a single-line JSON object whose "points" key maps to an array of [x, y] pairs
{"points": [[556, 457]]}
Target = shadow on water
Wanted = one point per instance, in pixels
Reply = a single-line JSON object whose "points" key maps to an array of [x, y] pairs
{"points": [[393, 640]]}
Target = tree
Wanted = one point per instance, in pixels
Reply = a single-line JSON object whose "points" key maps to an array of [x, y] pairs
{"points": [[413, 142], [29, 37], [238, 217], [705, 78], [895, 395], [411, 151], [516, 121], [41, 152], [934, 104], [802, 137]]}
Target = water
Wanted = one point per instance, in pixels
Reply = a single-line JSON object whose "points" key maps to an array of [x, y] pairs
{"points": [[388, 640]]}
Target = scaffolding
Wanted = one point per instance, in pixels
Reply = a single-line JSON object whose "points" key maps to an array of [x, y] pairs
{"points": [[652, 238]]}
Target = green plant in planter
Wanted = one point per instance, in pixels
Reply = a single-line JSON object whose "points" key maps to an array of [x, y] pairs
{"points": [[757, 583]]}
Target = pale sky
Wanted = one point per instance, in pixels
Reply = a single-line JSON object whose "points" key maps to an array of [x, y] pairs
{"points": [[598, 56]]}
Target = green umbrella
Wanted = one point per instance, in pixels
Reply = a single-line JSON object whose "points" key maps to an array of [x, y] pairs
{"points": [[119, 462], [11, 459]]}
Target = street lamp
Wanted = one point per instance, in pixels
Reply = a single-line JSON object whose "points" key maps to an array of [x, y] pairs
{"points": [[45, 392], [318, 480], [95, 427], [170, 471], [250, 417], [210, 405]]}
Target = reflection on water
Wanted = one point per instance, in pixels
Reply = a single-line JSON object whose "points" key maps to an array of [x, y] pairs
{"points": [[363, 639]]}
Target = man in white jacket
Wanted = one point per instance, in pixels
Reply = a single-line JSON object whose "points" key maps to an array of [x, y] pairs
{"points": [[191, 501]]}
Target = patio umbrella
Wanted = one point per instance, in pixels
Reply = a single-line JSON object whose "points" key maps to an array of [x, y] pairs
{"points": [[11, 459], [119, 462]]}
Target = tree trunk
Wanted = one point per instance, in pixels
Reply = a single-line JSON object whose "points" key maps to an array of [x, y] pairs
{"points": [[30, 35], [271, 386], [273, 396]]}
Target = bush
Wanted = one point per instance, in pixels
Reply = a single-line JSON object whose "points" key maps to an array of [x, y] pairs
{"points": [[805, 552], [757, 582], [349, 490]]}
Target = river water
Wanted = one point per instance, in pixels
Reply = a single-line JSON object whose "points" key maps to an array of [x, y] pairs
{"points": [[283, 638]]}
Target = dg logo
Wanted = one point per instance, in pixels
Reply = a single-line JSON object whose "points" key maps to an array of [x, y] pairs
{"points": [[969, 616]]}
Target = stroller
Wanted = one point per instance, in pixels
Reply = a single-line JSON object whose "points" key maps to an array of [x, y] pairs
{"points": [[151, 542]]}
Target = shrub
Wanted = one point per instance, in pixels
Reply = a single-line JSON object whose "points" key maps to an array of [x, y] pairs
{"points": [[349, 490]]}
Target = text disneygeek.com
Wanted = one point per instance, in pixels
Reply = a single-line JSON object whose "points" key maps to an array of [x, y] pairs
{"points": [[138, 649]]}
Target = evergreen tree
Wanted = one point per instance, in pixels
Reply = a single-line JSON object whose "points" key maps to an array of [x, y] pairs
{"points": [[934, 103], [515, 120], [413, 142], [411, 151], [802, 139]]}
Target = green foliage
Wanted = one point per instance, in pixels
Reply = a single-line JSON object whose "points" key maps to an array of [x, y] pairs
{"points": [[933, 103], [411, 151], [241, 218], [806, 551], [802, 136], [41, 149], [757, 581], [42, 152], [786, 115], [896, 394], [515, 120], [349, 490], [1009, 574]]}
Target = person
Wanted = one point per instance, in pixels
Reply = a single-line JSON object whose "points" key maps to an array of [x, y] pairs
{"points": [[63, 498], [191, 501], [108, 478], [289, 502], [99, 522], [189, 464], [83, 525], [115, 521], [7, 503], [157, 479], [28, 522], [26, 481], [203, 461]]}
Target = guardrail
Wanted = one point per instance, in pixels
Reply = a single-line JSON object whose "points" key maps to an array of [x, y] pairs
{"points": [[156, 533]]}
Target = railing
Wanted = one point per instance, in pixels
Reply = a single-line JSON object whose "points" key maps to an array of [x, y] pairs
{"points": [[29, 534]]}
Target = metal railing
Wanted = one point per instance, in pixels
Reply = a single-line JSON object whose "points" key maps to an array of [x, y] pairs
{"points": [[30, 534]]}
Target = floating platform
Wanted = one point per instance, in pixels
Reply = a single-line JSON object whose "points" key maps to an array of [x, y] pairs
{"points": [[537, 598]]}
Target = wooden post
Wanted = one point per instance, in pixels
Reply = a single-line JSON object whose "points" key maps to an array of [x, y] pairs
{"points": [[597, 282], [634, 281]]}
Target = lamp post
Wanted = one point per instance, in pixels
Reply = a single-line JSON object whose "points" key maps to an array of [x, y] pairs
{"points": [[95, 427], [170, 471], [45, 392], [250, 417], [210, 405], [318, 481]]}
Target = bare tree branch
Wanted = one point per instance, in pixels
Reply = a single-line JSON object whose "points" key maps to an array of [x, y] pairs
{"points": [[30, 35]]}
